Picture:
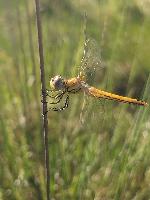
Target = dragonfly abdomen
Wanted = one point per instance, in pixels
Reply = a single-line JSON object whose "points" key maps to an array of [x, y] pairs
{"points": [[106, 95]]}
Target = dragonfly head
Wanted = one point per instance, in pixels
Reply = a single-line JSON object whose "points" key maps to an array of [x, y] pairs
{"points": [[57, 83]]}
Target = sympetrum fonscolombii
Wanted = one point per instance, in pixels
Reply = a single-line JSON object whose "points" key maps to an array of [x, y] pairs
{"points": [[79, 83]]}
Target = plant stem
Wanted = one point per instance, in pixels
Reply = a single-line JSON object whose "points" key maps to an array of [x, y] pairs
{"points": [[43, 85]]}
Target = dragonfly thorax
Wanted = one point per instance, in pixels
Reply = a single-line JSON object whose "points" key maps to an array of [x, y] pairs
{"points": [[57, 83]]}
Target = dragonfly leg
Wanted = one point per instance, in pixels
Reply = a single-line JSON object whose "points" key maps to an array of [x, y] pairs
{"points": [[43, 101], [55, 96], [46, 92], [75, 90], [58, 98], [62, 108], [60, 95]]}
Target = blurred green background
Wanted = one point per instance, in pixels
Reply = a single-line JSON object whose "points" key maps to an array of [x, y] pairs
{"points": [[98, 149]]}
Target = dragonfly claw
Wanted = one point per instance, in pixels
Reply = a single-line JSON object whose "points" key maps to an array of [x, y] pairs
{"points": [[43, 101]]}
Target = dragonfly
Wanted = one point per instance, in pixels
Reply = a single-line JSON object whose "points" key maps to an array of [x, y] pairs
{"points": [[65, 87]]}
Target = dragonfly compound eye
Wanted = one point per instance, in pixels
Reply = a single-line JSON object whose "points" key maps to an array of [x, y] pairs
{"points": [[57, 83]]}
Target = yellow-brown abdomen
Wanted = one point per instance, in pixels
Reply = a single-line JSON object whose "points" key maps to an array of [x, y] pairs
{"points": [[106, 95]]}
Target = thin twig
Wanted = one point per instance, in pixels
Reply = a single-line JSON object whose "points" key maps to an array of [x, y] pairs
{"points": [[22, 48], [31, 49], [43, 85]]}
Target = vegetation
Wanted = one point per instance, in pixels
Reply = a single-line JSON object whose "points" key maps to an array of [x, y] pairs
{"points": [[98, 149]]}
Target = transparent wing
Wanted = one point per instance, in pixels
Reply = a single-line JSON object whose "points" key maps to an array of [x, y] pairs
{"points": [[92, 66]]}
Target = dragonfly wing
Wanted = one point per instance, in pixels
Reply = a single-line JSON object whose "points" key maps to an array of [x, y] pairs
{"points": [[91, 63]]}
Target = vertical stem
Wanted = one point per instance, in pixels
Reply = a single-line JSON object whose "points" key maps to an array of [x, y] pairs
{"points": [[22, 48], [43, 85], [32, 55]]}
